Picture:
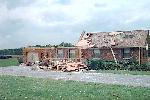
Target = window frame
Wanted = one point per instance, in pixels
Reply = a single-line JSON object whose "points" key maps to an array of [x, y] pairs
{"points": [[96, 55], [70, 53], [60, 55], [126, 52]]}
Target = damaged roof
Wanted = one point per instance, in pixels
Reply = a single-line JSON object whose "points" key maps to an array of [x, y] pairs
{"points": [[135, 38]]}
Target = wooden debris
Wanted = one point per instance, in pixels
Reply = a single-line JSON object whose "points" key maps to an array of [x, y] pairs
{"points": [[62, 65]]}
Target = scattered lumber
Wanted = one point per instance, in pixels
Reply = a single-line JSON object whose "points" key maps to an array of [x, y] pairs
{"points": [[63, 65]]}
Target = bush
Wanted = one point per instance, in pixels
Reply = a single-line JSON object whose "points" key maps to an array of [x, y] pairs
{"points": [[131, 65], [103, 65], [146, 67]]}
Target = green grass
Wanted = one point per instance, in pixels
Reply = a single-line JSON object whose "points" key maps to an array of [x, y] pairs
{"points": [[8, 62], [23, 88], [124, 72]]}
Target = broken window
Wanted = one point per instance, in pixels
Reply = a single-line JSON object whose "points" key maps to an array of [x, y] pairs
{"points": [[60, 54], [96, 53], [126, 53], [71, 53]]}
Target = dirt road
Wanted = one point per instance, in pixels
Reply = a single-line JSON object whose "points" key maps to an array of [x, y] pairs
{"points": [[107, 78]]}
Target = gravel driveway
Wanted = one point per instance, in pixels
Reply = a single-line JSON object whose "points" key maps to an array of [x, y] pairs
{"points": [[107, 78]]}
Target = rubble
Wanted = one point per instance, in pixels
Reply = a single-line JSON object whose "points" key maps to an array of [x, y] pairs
{"points": [[135, 38], [63, 65]]}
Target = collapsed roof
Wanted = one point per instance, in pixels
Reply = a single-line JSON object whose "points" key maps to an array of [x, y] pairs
{"points": [[135, 38]]}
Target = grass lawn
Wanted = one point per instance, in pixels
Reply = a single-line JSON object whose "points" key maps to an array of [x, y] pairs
{"points": [[23, 88], [8, 62], [124, 72]]}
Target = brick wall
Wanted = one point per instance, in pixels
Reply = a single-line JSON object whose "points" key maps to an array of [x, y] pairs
{"points": [[106, 54]]}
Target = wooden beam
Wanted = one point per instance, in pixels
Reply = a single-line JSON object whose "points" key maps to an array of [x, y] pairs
{"points": [[113, 55], [139, 56]]}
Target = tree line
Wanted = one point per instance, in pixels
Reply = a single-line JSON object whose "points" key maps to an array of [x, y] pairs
{"points": [[19, 51], [63, 44]]}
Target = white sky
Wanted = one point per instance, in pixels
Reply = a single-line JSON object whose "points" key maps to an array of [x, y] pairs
{"points": [[31, 22]]}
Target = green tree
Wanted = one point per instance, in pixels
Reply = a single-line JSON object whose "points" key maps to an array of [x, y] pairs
{"points": [[66, 44]]}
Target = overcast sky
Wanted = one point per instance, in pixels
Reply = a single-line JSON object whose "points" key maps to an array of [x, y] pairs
{"points": [[31, 22]]}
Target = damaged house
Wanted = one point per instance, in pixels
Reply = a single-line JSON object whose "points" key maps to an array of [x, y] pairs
{"points": [[118, 46]]}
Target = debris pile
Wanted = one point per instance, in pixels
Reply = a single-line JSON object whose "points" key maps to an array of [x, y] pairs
{"points": [[63, 65]]}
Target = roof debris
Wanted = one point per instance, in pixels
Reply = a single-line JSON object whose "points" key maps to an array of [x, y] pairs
{"points": [[135, 38]]}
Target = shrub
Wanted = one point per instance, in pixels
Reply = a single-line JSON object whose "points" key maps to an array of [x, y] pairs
{"points": [[103, 65], [131, 65]]}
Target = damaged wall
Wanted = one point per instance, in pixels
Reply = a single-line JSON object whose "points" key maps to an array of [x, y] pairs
{"points": [[105, 54], [59, 53]]}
